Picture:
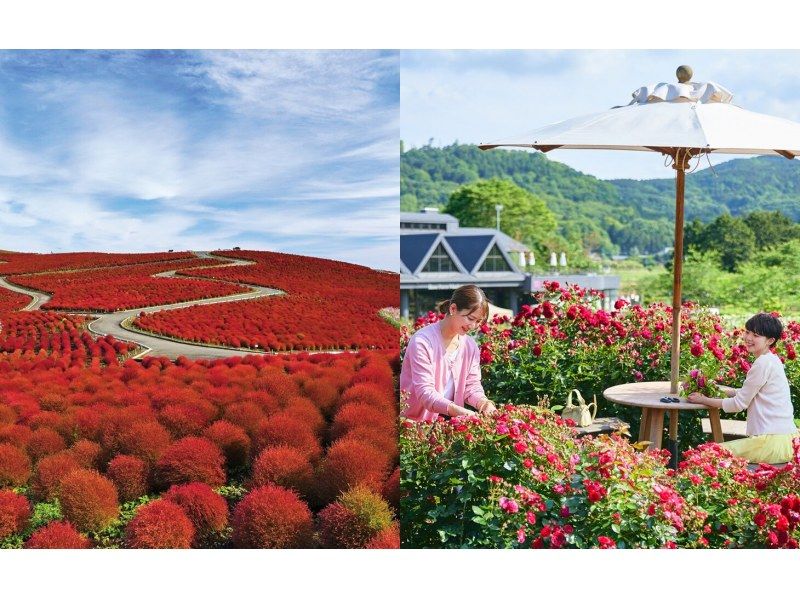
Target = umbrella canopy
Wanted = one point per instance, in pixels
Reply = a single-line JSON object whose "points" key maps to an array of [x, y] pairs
{"points": [[667, 116], [682, 120]]}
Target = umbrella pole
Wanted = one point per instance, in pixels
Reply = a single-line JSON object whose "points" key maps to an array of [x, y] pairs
{"points": [[680, 164]]}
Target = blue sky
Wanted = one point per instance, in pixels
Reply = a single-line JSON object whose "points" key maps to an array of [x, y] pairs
{"points": [[292, 151], [484, 95]]}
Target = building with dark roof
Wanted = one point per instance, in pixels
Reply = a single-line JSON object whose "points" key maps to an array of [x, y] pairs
{"points": [[437, 256]]}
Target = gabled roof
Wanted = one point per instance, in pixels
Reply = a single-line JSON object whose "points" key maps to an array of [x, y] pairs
{"points": [[413, 248], [469, 248]]}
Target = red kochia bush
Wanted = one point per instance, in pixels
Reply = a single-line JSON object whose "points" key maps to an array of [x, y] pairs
{"points": [[350, 463], [87, 453], [283, 466], [388, 538], [272, 517], [49, 473], [191, 459], [88, 500], [232, 440], [354, 519], [130, 475], [283, 429], [370, 394], [15, 466], [7, 415], [357, 415], [383, 440], [206, 509], [247, 415], [159, 524], [147, 440], [58, 534], [15, 434], [14, 513], [323, 393], [43, 442]]}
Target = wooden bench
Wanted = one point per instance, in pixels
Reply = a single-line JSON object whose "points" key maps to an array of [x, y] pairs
{"points": [[603, 425], [731, 428]]}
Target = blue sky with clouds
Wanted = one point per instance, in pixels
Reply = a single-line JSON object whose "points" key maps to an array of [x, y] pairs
{"points": [[291, 151], [475, 96]]}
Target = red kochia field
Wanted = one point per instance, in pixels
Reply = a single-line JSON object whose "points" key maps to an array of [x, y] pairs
{"points": [[328, 305], [26, 263], [124, 287], [252, 452]]}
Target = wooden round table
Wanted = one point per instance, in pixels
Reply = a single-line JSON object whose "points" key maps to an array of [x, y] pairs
{"points": [[646, 395]]}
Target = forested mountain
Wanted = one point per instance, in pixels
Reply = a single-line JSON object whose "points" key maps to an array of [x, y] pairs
{"points": [[626, 213]]}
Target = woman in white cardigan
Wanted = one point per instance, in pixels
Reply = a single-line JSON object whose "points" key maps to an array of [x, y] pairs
{"points": [[765, 395]]}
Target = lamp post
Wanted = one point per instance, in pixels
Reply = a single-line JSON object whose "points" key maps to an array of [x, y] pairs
{"points": [[498, 208]]}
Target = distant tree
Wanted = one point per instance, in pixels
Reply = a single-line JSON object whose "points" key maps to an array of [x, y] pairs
{"points": [[771, 228], [524, 217], [732, 238]]}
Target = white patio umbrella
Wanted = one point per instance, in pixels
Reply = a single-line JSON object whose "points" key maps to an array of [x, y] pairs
{"points": [[681, 120]]}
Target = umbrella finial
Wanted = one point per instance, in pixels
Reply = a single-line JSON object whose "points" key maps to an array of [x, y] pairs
{"points": [[684, 73]]}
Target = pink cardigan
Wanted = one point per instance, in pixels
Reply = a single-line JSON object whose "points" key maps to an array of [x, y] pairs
{"points": [[424, 374]]}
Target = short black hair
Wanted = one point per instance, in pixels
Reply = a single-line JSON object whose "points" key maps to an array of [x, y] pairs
{"points": [[764, 324]]}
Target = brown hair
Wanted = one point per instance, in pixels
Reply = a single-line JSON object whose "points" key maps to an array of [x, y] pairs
{"points": [[468, 297]]}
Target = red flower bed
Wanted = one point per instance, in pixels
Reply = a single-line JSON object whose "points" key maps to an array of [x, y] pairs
{"points": [[21, 263], [328, 305], [11, 301], [62, 337], [116, 289], [118, 419]]}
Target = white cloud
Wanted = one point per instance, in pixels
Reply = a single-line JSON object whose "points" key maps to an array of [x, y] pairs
{"points": [[286, 127], [509, 93]]}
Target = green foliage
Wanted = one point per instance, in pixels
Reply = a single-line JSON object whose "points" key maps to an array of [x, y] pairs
{"points": [[770, 281], [113, 534], [43, 513], [525, 217], [629, 214]]}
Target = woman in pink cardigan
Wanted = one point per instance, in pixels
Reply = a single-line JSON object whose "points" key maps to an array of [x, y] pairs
{"points": [[441, 369]]}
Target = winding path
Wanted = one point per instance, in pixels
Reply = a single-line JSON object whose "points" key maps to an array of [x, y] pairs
{"points": [[112, 323]]}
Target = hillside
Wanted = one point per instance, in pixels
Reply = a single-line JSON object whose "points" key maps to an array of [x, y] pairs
{"points": [[628, 213]]}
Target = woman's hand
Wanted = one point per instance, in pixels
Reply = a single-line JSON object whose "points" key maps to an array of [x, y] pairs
{"points": [[487, 407], [454, 410], [696, 397]]}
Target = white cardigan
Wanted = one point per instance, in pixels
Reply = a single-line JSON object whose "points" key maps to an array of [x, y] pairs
{"points": [[766, 397]]}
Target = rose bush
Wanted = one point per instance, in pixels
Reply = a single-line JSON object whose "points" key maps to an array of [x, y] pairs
{"points": [[520, 478], [565, 340]]}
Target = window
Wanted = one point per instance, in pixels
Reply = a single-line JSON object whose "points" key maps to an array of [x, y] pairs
{"points": [[423, 225], [495, 262], [440, 262]]}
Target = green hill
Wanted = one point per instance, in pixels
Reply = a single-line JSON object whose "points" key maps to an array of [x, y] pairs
{"points": [[626, 213]]}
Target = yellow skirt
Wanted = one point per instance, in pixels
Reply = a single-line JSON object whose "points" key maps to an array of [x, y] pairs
{"points": [[768, 448]]}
